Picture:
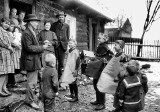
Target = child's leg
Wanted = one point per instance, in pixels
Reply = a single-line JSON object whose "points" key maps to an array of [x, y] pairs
{"points": [[75, 88], [71, 88]]}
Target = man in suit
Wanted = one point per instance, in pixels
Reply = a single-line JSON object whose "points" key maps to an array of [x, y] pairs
{"points": [[62, 31], [31, 51]]}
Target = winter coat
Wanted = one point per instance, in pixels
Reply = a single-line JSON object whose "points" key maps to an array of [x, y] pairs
{"points": [[49, 82], [62, 32], [129, 93], [71, 68], [31, 51]]}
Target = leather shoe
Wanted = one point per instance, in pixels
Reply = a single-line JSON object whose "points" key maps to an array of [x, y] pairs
{"points": [[100, 107], [94, 103], [75, 99], [2, 94]]}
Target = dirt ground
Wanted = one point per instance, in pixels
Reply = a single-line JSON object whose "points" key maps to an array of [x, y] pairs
{"points": [[87, 94]]}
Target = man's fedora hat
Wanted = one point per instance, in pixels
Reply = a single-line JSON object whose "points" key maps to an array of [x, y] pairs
{"points": [[61, 14], [31, 17]]}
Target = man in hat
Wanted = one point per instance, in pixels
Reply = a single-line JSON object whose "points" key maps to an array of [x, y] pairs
{"points": [[31, 51], [62, 31]]}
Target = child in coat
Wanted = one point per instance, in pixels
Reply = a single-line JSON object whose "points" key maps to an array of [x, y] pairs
{"points": [[123, 58], [49, 83], [103, 54], [129, 92], [71, 71]]}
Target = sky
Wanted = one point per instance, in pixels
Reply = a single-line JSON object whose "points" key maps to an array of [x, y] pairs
{"points": [[136, 11]]}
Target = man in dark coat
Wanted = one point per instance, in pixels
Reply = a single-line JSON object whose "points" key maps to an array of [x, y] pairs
{"points": [[31, 51], [62, 31]]}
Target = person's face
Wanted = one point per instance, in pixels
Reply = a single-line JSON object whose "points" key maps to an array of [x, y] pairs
{"points": [[117, 47], [21, 16], [16, 30], [71, 44], [11, 28], [47, 26], [34, 24], [61, 18], [14, 12], [101, 38], [5, 25]]}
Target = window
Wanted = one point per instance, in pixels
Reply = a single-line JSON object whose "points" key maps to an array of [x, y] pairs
{"points": [[71, 21]]}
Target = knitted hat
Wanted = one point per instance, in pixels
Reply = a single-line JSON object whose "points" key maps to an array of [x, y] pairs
{"points": [[121, 43]]}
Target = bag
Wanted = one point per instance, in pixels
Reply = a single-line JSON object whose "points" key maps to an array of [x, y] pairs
{"points": [[106, 83], [93, 68]]}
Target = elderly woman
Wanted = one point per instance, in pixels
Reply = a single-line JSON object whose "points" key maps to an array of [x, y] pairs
{"points": [[47, 37], [6, 61]]}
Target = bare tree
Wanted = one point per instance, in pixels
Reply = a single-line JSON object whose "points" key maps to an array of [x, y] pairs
{"points": [[152, 13], [119, 20]]}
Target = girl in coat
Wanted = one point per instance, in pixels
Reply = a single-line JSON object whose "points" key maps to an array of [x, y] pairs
{"points": [[6, 61], [71, 71]]}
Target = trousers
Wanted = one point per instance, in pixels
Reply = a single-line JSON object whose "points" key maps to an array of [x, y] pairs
{"points": [[100, 97]]}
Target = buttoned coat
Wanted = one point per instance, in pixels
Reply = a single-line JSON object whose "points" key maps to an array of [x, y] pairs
{"points": [[62, 33], [31, 51]]}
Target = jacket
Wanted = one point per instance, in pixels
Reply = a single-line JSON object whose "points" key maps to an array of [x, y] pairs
{"points": [[62, 33], [129, 93], [49, 82], [103, 54], [31, 51]]}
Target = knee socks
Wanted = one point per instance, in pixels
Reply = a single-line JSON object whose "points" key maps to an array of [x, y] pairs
{"points": [[73, 89]]}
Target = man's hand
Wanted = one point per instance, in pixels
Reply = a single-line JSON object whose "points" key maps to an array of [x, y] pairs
{"points": [[45, 46]]}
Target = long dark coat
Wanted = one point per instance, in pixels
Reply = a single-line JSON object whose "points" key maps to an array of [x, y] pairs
{"points": [[62, 33], [31, 51]]}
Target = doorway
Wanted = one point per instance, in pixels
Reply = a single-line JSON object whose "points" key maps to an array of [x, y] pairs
{"points": [[19, 5], [94, 36]]}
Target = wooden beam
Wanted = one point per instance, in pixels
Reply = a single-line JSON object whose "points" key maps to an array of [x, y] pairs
{"points": [[6, 8], [90, 34], [34, 7]]}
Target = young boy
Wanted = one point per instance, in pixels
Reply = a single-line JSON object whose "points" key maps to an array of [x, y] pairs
{"points": [[123, 58], [49, 83], [129, 92], [71, 71], [104, 54]]}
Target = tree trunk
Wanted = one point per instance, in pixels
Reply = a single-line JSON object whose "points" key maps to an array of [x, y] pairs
{"points": [[139, 49]]}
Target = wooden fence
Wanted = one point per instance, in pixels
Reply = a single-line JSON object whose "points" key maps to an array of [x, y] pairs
{"points": [[150, 48]]}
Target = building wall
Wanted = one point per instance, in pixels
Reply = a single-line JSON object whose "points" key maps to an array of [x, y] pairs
{"points": [[82, 32], [1, 8], [45, 10]]}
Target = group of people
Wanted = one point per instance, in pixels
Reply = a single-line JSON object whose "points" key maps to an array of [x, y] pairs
{"points": [[41, 54]]}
